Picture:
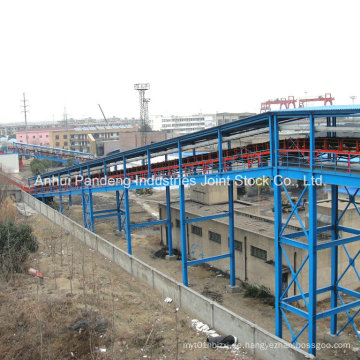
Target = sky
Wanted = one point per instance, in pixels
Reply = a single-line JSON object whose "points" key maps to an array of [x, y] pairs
{"points": [[198, 55]]}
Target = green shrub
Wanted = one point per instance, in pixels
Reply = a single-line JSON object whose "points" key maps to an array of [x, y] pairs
{"points": [[145, 191], [39, 166], [259, 292], [16, 242]]}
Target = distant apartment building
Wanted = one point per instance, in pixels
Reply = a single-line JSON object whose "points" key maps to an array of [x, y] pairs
{"points": [[35, 137], [77, 139], [192, 123], [182, 124]]}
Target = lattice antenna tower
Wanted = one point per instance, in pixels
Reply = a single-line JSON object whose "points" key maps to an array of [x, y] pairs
{"points": [[25, 111], [144, 113]]}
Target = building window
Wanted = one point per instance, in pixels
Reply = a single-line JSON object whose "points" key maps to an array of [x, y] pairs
{"points": [[213, 236], [47, 136], [40, 136], [64, 136], [57, 144], [237, 245], [65, 143], [197, 230], [57, 137], [33, 136], [258, 253], [177, 221]]}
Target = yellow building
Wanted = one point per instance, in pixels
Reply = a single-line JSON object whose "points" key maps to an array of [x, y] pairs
{"points": [[77, 139]]}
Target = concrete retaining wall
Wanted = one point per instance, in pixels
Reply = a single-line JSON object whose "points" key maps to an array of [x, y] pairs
{"points": [[215, 315]]}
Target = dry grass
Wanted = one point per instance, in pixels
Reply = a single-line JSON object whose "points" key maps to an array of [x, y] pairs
{"points": [[81, 285], [7, 210]]}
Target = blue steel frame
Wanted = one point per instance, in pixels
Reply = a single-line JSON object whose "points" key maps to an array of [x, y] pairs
{"points": [[274, 169], [54, 153]]}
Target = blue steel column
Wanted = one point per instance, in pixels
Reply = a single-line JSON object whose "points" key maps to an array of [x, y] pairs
{"points": [[169, 225], [312, 242], [127, 211], [334, 249], [83, 201], [168, 214], [231, 232], [60, 196], [118, 209], [333, 123], [274, 158], [148, 163], [334, 256], [182, 220], [90, 205], [91, 211], [220, 152], [69, 177]]}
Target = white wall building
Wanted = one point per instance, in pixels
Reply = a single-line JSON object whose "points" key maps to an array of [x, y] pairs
{"points": [[182, 124]]}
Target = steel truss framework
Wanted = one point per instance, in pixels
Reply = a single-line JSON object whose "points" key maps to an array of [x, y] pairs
{"points": [[47, 152], [275, 167]]}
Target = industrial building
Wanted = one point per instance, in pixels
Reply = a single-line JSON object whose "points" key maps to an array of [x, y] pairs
{"points": [[253, 237]]}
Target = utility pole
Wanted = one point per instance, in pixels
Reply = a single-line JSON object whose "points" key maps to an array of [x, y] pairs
{"points": [[25, 106], [144, 113]]}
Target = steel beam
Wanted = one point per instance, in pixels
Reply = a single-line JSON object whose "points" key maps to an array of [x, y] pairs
{"points": [[118, 209], [220, 151], [69, 179], [206, 218], [274, 150], [149, 223], [169, 224], [231, 233], [60, 197], [127, 212], [182, 221], [204, 260], [312, 233]]}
